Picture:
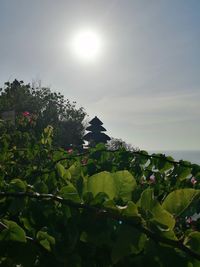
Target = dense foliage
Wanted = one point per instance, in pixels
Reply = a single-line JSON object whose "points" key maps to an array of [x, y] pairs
{"points": [[100, 208], [48, 107]]}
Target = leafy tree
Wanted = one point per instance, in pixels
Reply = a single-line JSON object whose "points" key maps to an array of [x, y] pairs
{"points": [[100, 208], [48, 107], [118, 143]]}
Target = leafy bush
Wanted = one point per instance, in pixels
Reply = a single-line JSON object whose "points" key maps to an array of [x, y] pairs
{"points": [[98, 208]]}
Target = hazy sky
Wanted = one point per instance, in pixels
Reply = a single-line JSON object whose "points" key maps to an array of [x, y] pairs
{"points": [[145, 84]]}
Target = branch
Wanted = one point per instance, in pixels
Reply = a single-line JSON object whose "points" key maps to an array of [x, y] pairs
{"points": [[163, 157], [139, 153], [108, 214]]}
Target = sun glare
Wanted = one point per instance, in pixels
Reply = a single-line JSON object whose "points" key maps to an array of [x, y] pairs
{"points": [[86, 45]]}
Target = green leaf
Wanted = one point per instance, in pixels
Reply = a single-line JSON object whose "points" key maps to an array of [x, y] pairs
{"points": [[110, 205], [119, 184], [156, 226], [162, 216], [125, 184], [158, 213], [193, 241], [179, 200], [67, 175], [41, 187], [62, 172], [147, 200], [60, 169], [13, 232], [131, 210], [46, 240], [168, 234], [75, 170], [165, 165], [183, 172], [69, 192], [26, 223], [102, 182], [17, 185], [99, 199]]}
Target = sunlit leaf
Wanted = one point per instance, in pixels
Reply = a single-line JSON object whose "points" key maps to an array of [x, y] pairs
{"points": [[179, 200], [13, 232], [69, 192], [125, 184], [102, 182], [149, 203]]}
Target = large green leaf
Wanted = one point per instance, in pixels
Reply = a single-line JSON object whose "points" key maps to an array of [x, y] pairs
{"points": [[13, 232], [147, 200], [62, 172], [17, 185], [119, 184], [149, 204], [75, 170], [162, 216], [179, 200], [102, 182], [69, 192], [125, 184]]}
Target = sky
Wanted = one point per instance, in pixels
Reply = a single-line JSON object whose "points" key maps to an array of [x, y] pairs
{"points": [[145, 84]]}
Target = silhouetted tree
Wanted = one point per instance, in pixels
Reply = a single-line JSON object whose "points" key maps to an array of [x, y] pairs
{"points": [[118, 143], [50, 108]]}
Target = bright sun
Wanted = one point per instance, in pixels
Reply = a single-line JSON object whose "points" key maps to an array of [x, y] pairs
{"points": [[86, 45]]}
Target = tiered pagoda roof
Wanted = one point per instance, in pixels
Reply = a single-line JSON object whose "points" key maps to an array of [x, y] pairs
{"points": [[95, 134]]}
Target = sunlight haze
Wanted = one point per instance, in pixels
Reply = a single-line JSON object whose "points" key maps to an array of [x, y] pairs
{"points": [[136, 65]]}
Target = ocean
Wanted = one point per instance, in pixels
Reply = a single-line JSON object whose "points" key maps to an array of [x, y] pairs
{"points": [[192, 156]]}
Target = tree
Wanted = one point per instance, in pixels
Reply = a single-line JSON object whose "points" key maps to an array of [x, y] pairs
{"points": [[118, 143], [48, 107]]}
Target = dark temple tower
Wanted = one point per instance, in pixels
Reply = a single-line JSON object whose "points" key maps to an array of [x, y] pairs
{"points": [[95, 134]]}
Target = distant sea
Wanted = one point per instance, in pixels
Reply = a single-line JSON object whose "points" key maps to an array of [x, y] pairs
{"points": [[192, 156]]}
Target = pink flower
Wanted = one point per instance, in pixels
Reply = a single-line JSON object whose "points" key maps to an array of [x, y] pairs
{"points": [[26, 114], [70, 150], [152, 179], [193, 180], [189, 220]]}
